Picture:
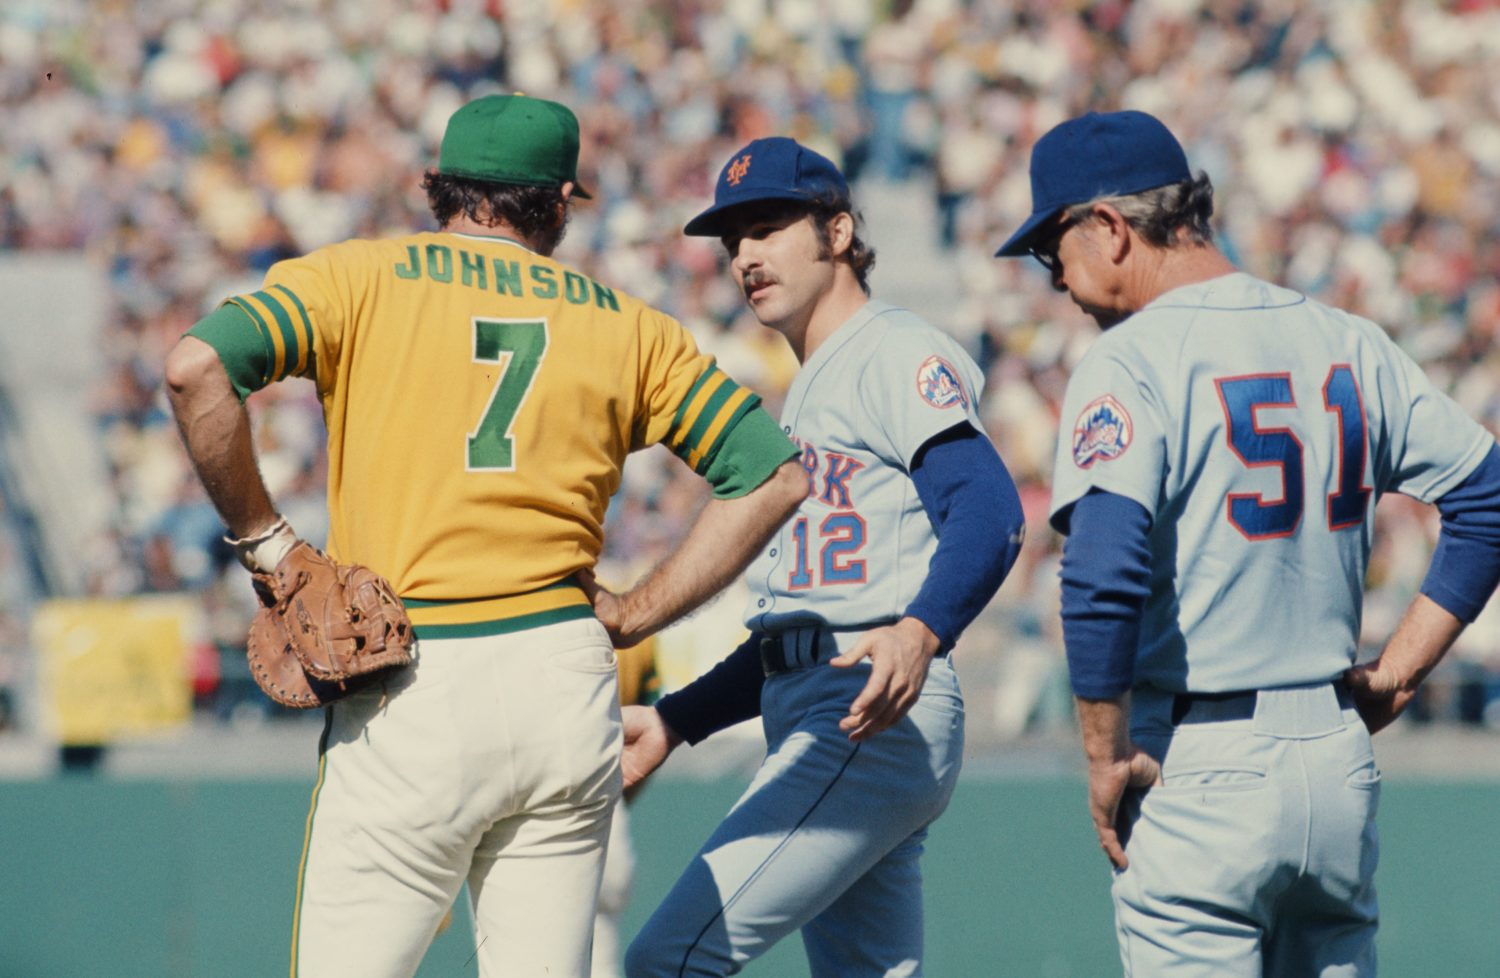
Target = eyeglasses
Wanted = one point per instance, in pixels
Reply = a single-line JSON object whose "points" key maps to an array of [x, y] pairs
{"points": [[1045, 249]]}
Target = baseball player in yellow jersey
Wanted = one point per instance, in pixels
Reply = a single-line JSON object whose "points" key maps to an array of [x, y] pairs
{"points": [[480, 400]]}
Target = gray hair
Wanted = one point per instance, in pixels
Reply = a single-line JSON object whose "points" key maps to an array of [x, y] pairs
{"points": [[1160, 213]]}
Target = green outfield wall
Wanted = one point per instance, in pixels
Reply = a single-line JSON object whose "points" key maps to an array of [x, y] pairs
{"points": [[194, 879]]}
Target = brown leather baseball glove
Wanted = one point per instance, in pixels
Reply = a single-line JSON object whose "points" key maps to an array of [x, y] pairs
{"points": [[324, 629]]}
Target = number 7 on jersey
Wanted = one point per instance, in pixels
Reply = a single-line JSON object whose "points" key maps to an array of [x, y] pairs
{"points": [[519, 347]]}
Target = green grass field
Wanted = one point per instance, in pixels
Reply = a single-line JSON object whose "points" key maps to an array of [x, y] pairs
{"points": [[194, 879]]}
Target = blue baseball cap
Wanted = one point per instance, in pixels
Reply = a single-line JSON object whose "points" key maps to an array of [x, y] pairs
{"points": [[1101, 154], [775, 168]]}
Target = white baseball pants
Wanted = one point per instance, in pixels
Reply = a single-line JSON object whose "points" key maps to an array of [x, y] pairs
{"points": [[493, 761], [1256, 859]]}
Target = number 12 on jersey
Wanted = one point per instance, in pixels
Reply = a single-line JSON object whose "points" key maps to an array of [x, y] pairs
{"points": [[1241, 398], [843, 536]]}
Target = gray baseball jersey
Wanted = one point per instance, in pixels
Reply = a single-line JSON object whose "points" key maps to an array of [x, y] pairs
{"points": [[1258, 427], [828, 837], [856, 551]]}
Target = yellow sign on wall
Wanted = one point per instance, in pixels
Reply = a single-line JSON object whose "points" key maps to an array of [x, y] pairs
{"points": [[110, 668]]}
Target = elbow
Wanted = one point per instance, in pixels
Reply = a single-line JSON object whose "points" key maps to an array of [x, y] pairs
{"points": [[1015, 532], [1010, 549], [787, 487], [1002, 541], [189, 365]]}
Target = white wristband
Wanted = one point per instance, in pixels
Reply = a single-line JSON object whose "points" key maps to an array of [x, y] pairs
{"points": [[262, 552]]}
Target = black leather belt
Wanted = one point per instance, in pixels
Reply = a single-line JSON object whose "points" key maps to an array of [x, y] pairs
{"points": [[1234, 705], [1210, 707], [796, 649], [800, 648]]}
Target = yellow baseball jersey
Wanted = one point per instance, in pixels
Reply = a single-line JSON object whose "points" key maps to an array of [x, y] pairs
{"points": [[480, 401]]}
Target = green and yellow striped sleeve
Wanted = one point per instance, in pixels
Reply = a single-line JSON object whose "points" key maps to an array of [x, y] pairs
{"points": [[285, 329], [712, 406], [242, 348], [749, 452], [710, 433], [261, 337]]}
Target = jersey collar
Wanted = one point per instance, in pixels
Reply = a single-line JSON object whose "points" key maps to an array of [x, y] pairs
{"points": [[493, 238], [1233, 291]]}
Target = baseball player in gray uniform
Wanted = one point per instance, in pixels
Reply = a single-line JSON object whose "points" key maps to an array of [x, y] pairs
{"points": [[1222, 448], [909, 526]]}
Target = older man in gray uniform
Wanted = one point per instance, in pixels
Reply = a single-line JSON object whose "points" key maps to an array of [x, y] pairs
{"points": [[1221, 450]]}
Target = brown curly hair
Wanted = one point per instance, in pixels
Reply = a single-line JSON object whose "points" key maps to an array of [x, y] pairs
{"points": [[532, 211]]}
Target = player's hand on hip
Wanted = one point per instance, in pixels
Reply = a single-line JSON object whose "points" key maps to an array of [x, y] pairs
{"points": [[607, 606], [1379, 693], [899, 656], [648, 741], [1108, 782], [1383, 688]]}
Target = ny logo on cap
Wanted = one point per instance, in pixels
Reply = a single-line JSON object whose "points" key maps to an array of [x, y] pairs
{"points": [[737, 170]]}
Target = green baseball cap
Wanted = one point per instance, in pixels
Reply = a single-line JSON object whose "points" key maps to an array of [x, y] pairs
{"points": [[513, 139]]}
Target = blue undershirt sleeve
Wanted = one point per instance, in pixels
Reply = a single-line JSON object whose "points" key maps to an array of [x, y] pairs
{"points": [[725, 695], [1466, 562], [976, 513], [1106, 578]]}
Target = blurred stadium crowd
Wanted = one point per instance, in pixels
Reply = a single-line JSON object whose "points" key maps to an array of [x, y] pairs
{"points": [[185, 145]]}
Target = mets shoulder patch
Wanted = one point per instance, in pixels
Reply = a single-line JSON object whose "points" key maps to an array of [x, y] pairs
{"points": [[939, 385], [1103, 431]]}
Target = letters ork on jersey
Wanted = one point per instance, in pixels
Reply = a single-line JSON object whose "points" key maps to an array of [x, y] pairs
{"points": [[857, 550]]}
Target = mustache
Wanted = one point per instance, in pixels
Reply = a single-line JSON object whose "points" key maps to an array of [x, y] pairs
{"points": [[755, 280]]}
